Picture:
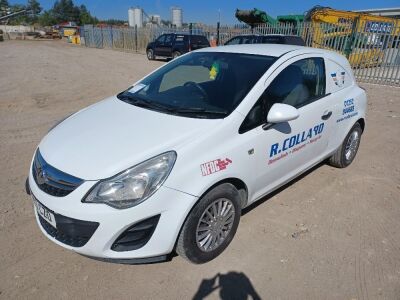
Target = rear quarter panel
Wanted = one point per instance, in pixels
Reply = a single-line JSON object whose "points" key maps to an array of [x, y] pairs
{"points": [[350, 99]]}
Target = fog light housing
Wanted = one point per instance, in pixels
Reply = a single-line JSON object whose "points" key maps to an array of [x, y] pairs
{"points": [[136, 236]]}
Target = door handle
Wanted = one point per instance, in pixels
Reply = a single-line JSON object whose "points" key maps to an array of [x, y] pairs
{"points": [[326, 115]]}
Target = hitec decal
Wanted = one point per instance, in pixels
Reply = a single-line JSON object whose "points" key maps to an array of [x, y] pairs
{"points": [[348, 110], [214, 166], [338, 81], [301, 140]]}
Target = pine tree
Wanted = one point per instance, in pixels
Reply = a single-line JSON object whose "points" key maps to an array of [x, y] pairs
{"points": [[34, 7], [4, 7]]}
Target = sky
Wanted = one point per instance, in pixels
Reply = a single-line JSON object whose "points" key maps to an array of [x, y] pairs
{"points": [[206, 11]]}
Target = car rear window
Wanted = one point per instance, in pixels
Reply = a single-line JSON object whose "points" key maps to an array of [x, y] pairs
{"points": [[272, 40], [295, 40]]}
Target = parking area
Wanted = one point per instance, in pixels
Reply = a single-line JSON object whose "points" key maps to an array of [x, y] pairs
{"points": [[332, 234]]}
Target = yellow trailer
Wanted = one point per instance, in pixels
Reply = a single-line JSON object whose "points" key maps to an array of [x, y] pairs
{"points": [[361, 37]]}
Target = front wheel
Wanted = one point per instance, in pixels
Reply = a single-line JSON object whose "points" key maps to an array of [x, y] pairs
{"points": [[211, 225], [346, 153], [150, 54]]}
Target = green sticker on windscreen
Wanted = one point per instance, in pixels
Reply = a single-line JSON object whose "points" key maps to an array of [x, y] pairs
{"points": [[214, 71]]}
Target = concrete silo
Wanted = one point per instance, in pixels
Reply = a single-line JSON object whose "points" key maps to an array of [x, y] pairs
{"points": [[156, 19], [135, 17], [176, 16]]}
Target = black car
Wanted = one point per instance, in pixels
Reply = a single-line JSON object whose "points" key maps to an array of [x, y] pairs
{"points": [[266, 39], [174, 44]]}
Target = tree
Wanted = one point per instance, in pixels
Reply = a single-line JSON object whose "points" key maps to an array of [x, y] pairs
{"points": [[34, 7], [34, 10], [85, 17], [4, 7], [20, 19], [114, 22], [65, 11], [47, 19], [62, 11]]}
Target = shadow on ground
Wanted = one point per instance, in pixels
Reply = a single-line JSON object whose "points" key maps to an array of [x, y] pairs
{"points": [[232, 285]]}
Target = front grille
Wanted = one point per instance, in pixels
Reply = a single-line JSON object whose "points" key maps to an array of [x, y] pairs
{"points": [[72, 232], [136, 236], [51, 180]]}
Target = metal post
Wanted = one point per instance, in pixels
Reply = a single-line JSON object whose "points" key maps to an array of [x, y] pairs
{"points": [[218, 25], [349, 47], [136, 38], [112, 37], [102, 37]]}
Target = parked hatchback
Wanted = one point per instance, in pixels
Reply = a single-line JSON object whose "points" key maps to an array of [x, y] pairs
{"points": [[266, 39], [169, 164], [172, 45]]}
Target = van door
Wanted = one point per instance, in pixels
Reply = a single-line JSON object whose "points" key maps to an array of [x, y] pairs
{"points": [[285, 149]]}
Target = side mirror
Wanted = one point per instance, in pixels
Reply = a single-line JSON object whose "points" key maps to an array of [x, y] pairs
{"points": [[282, 113]]}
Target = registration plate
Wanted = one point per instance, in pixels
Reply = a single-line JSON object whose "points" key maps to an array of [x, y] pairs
{"points": [[44, 213]]}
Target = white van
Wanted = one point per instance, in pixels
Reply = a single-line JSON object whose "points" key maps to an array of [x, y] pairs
{"points": [[168, 164]]}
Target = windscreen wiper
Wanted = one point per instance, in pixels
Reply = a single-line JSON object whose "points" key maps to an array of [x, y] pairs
{"points": [[174, 110], [144, 103], [199, 110]]}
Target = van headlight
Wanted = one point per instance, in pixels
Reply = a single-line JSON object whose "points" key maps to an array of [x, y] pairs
{"points": [[134, 185]]}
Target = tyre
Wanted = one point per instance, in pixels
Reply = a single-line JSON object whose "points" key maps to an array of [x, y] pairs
{"points": [[176, 54], [150, 54], [346, 153], [211, 225]]}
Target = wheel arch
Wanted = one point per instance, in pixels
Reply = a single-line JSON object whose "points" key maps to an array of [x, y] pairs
{"points": [[361, 121], [239, 184]]}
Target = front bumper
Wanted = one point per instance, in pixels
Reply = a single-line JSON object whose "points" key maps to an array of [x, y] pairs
{"points": [[171, 205]]}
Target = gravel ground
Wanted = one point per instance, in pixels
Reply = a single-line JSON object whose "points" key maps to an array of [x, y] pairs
{"points": [[333, 234]]}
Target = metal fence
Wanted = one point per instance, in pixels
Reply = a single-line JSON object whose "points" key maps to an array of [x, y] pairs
{"points": [[372, 48]]}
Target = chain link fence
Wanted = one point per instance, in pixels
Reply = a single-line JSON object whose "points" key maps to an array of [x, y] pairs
{"points": [[372, 48]]}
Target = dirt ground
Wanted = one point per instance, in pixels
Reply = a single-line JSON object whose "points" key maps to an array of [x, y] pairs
{"points": [[333, 234]]}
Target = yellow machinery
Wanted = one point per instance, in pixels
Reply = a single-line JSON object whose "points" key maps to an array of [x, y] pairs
{"points": [[361, 37]]}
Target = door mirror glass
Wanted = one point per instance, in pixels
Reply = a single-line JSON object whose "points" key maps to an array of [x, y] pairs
{"points": [[282, 113]]}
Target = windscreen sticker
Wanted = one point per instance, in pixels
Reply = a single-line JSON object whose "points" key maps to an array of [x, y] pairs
{"points": [[348, 110], [295, 143], [214, 71], [214, 166], [338, 81]]}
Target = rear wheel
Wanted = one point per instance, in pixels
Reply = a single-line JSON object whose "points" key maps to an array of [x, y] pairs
{"points": [[211, 225], [176, 54], [346, 153], [150, 54]]}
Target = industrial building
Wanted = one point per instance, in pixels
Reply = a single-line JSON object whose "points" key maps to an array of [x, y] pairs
{"points": [[384, 12], [155, 19], [135, 17], [176, 17]]}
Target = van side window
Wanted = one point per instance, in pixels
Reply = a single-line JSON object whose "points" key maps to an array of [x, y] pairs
{"points": [[299, 84]]}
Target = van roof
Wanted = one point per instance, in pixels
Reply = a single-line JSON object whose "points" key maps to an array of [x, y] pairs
{"points": [[267, 49]]}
